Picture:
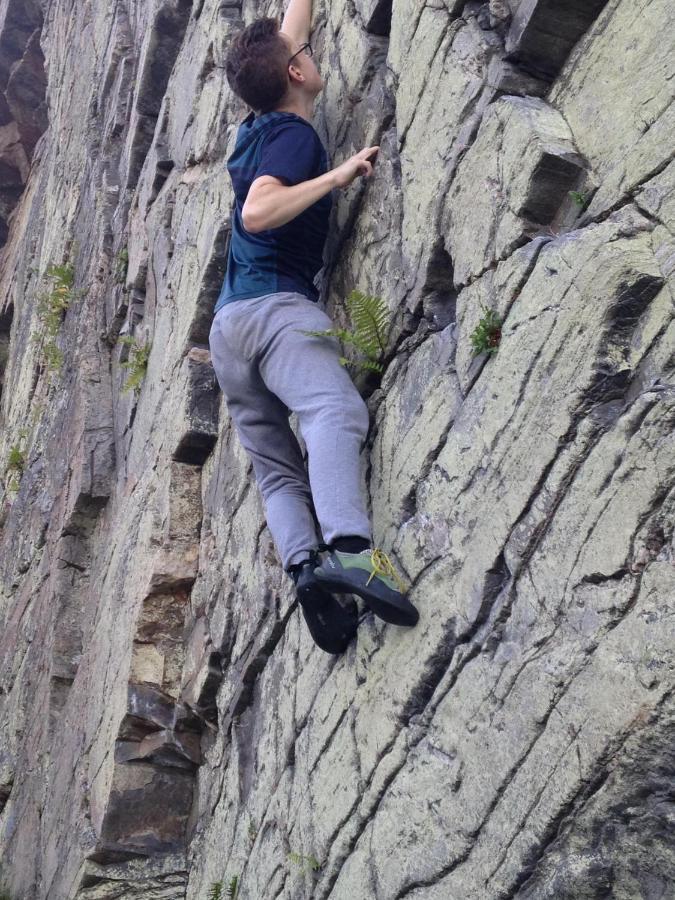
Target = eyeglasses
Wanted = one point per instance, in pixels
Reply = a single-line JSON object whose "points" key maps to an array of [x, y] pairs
{"points": [[306, 47]]}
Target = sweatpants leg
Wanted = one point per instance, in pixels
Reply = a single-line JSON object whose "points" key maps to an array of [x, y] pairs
{"points": [[261, 420], [305, 373]]}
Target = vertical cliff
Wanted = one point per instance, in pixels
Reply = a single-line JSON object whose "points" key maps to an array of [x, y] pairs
{"points": [[165, 720]]}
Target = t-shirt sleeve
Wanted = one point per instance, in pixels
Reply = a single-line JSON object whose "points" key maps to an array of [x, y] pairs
{"points": [[290, 152]]}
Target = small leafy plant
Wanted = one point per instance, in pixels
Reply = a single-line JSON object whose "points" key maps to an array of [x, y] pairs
{"points": [[16, 459], [305, 863], [252, 831], [579, 198], [16, 462], [487, 334], [121, 266], [137, 363], [216, 889], [371, 319], [51, 306], [4, 893]]}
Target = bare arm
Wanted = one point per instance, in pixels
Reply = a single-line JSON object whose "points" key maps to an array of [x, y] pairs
{"points": [[297, 20], [270, 203]]}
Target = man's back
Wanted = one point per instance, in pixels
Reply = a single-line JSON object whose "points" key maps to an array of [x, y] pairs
{"points": [[286, 258]]}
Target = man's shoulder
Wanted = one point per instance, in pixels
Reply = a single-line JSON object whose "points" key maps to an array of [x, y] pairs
{"points": [[291, 125], [276, 135]]}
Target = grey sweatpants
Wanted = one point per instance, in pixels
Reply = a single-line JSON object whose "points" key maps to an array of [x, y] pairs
{"points": [[267, 368]]}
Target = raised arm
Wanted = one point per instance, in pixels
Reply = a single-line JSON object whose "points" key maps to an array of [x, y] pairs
{"points": [[297, 20]]}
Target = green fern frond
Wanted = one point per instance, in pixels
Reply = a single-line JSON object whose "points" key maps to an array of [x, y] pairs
{"points": [[370, 317], [216, 889], [306, 863], [63, 274], [361, 343], [16, 459], [339, 333], [137, 365], [347, 337], [370, 365], [487, 334]]}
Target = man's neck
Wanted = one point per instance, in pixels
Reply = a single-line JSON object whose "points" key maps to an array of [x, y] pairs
{"points": [[304, 109]]}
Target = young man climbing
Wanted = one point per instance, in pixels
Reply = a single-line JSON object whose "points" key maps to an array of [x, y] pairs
{"points": [[264, 363]]}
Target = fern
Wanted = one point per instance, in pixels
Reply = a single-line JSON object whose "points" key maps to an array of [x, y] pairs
{"points": [[306, 863], [370, 318], [14, 467], [137, 365], [51, 307], [579, 198], [16, 460], [216, 889], [121, 266], [487, 334]]}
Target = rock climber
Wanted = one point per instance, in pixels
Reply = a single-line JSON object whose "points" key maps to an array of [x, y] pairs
{"points": [[264, 363]]}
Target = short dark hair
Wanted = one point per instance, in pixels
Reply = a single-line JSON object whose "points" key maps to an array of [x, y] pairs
{"points": [[257, 65]]}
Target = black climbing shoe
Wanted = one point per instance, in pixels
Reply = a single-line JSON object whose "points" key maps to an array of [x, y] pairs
{"points": [[371, 575], [332, 624]]}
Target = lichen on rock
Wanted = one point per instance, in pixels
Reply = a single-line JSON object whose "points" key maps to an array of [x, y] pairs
{"points": [[166, 722]]}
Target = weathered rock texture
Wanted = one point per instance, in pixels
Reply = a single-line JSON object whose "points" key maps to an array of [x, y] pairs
{"points": [[165, 720]]}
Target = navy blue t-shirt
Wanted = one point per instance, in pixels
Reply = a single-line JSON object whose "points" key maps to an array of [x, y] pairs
{"points": [[286, 258]]}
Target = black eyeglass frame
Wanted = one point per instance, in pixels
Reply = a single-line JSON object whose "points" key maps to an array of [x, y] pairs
{"points": [[306, 46]]}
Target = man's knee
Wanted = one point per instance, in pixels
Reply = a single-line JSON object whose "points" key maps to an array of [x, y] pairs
{"points": [[272, 483], [348, 412]]}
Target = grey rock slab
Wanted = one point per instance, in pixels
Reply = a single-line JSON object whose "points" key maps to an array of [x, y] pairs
{"points": [[165, 718], [510, 183], [616, 94], [417, 411]]}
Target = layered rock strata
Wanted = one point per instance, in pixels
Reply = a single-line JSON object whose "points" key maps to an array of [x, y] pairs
{"points": [[166, 722]]}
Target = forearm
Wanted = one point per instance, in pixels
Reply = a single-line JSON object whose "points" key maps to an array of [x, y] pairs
{"points": [[297, 19], [276, 204]]}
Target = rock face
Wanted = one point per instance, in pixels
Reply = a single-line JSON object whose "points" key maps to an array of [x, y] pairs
{"points": [[166, 722]]}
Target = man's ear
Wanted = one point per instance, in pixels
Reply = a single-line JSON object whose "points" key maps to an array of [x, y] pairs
{"points": [[295, 74]]}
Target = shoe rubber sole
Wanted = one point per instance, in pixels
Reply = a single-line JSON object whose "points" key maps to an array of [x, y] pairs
{"points": [[396, 613], [332, 626]]}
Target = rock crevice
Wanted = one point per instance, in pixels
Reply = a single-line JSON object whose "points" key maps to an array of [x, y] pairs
{"points": [[166, 722]]}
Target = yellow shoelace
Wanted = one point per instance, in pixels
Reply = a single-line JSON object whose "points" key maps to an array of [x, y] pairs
{"points": [[382, 565]]}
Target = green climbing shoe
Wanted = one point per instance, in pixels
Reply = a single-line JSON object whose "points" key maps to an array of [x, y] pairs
{"points": [[370, 575]]}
